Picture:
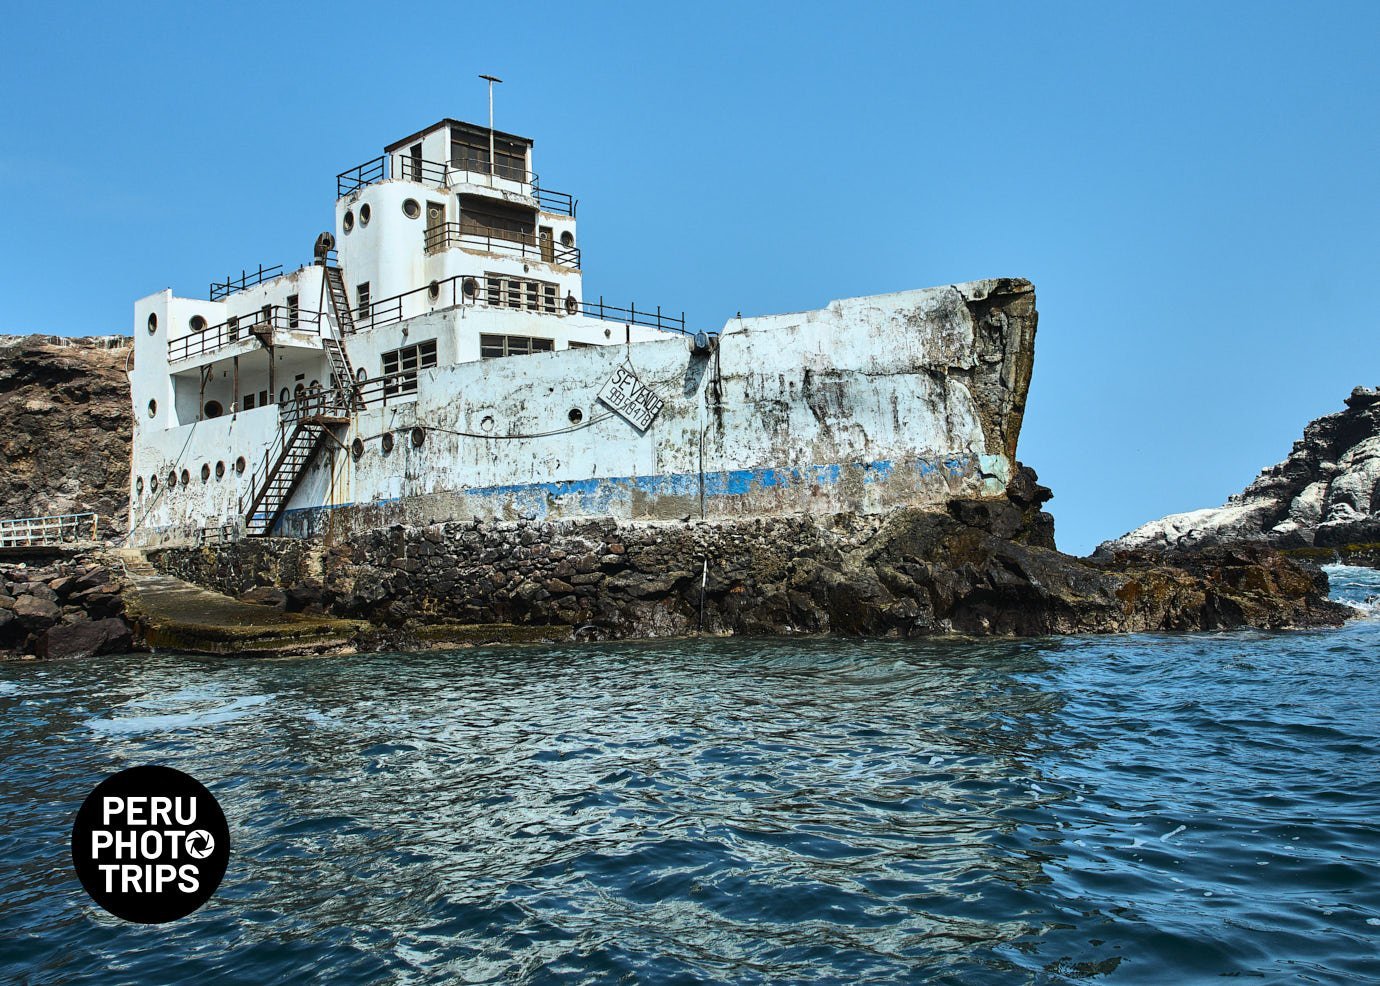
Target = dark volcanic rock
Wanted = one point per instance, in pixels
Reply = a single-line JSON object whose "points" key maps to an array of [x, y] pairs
{"points": [[982, 567], [85, 639], [1325, 495], [65, 445], [45, 611]]}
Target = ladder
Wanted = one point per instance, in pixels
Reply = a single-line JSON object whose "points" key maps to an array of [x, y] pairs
{"points": [[341, 369], [269, 496]]}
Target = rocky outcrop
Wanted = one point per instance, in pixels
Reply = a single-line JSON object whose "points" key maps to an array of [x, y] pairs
{"points": [[72, 607], [983, 567], [64, 445], [1324, 496]]}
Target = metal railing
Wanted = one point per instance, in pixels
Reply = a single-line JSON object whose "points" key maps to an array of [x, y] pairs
{"points": [[443, 236], [217, 534], [556, 203], [361, 176], [237, 327], [442, 175], [33, 532], [247, 279], [438, 294], [631, 315]]}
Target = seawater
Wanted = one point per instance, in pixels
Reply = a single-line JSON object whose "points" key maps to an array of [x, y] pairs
{"points": [[1144, 809]]}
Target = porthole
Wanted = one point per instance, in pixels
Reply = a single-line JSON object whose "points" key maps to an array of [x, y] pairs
{"points": [[571, 305], [298, 391], [196, 323], [205, 473], [314, 386], [386, 443], [411, 209], [139, 486], [364, 213], [186, 478], [239, 466], [567, 239], [172, 479], [153, 408], [349, 220], [487, 424], [361, 375], [576, 415], [284, 396], [470, 287], [433, 290], [220, 470], [213, 409], [357, 449], [418, 437], [153, 323], [153, 484]]}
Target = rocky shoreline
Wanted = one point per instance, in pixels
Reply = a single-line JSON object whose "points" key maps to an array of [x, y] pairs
{"points": [[63, 608], [1322, 503], [985, 567]]}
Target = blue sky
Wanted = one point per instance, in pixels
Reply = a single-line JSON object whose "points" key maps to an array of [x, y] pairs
{"points": [[1192, 187]]}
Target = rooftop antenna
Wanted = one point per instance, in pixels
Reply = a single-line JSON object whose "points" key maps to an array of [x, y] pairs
{"points": [[491, 79]]}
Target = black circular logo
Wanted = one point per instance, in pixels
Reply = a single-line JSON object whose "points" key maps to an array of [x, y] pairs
{"points": [[150, 844]]}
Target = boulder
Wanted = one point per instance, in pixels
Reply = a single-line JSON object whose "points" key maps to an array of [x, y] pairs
{"points": [[78, 640], [34, 611]]}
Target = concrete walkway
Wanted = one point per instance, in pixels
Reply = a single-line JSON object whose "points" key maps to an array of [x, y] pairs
{"points": [[176, 615]]}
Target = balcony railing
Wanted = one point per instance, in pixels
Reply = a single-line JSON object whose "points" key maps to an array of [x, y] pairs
{"points": [[235, 328], [247, 279], [438, 295], [361, 176], [443, 236], [442, 175]]}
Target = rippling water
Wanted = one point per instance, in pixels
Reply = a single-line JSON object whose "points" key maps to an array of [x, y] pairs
{"points": [[1156, 809]]}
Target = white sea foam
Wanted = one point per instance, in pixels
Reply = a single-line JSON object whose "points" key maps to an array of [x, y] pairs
{"points": [[1356, 587], [234, 709]]}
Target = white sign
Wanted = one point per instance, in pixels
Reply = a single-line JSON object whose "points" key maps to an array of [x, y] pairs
{"points": [[631, 398]]}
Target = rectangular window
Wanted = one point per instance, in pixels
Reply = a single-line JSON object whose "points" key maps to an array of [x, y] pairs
{"points": [[263, 398], [249, 402], [583, 345], [469, 150], [492, 219], [362, 299], [521, 292], [406, 362], [294, 311], [494, 346]]}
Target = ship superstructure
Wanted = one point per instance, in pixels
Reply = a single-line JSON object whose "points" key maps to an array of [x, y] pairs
{"points": [[252, 383]]}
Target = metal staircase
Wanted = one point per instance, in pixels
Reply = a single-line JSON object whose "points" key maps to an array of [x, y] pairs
{"points": [[286, 460], [341, 368], [308, 422]]}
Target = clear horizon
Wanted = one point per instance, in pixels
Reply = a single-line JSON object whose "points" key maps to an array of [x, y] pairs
{"points": [[1190, 189]]}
